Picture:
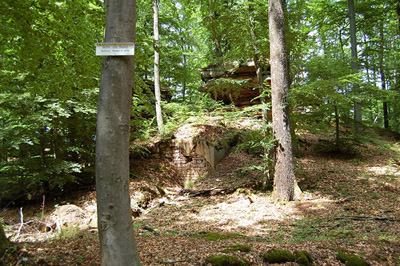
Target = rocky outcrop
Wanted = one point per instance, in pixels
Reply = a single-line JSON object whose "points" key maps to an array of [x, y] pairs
{"points": [[219, 81], [194, 150]]}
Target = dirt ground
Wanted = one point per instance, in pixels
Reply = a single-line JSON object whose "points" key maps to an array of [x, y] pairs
{"points": [[351, 202]]}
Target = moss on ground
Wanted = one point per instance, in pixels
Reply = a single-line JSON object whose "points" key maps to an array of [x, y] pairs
{"points": [[350, 259], [212, 236], [238, 247], [225, 260], [279, 256], [303, 257], [343, 256]]}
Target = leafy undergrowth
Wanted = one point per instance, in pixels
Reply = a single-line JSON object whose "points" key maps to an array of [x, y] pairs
{"points": [[351, 204]]}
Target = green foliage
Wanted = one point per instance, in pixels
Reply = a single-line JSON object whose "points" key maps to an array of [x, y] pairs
{"points": [[278, 256], [321, 65], [254, 142], [47, 94], [224, 260]]}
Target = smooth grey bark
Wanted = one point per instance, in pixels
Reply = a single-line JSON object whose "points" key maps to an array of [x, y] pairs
{"points": [[117, 242], [285, 186], [157, 90], [353, 40]]}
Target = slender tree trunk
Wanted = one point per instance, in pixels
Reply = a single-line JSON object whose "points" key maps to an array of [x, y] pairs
{"points": [[184, 79], [56, 139], [383, 79], [117, 242], [396, 86], [398, 13], [337, 142], [3, 155], [353, 39], [157, 90], [284, 178]]}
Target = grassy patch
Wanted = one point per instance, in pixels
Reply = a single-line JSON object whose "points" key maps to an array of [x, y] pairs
{"points": [[310, 230], [213, 236]]}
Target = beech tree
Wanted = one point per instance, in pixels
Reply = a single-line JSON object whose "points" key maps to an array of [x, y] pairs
{"points": [[357, 104], [284, 178], [157, 90], [117, 242]]}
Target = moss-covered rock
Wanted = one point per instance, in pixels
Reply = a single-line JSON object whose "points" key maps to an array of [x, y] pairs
{"points": [[279, 256], [349, 259], [356, 261], [224, 260], [303, 257], [238, 247], [343, 256]]}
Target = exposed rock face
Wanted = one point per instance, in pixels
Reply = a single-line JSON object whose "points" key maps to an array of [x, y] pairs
{"points": [[241, 95], [70, 216], [192, 152]]}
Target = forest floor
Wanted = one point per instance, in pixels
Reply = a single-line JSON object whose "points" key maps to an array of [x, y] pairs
{"points": [[351, 203]]}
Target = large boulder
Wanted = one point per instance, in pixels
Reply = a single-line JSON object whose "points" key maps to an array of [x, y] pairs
{"points": [[70, 216]]}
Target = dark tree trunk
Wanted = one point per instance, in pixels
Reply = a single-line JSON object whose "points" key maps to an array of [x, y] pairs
{"points": [[117, 242], [3, 241], [337, 142], [383, 79], [284, 178], [357, 104], [157, 90], [385, 115]]}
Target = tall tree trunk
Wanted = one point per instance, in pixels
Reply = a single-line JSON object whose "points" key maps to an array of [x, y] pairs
{"points": [[397, 87], [3, 155], [56, 139], [383, 79], [398, 13], [157, 90], [357, 104], [284, 178], [117, 242]]}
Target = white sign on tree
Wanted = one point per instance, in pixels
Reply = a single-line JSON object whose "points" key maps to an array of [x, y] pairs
{"points": [[115, 49]]}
